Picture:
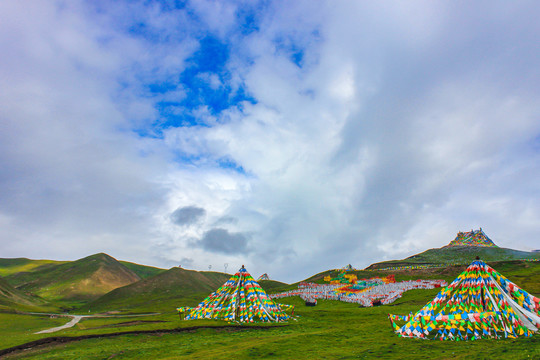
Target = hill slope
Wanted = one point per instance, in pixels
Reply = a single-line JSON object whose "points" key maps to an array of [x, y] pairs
{"points": [[10, 266], [81, 280], [13, 299], [17, 265], [459, 255], [273, 286], [167, 290], [142, 271]]}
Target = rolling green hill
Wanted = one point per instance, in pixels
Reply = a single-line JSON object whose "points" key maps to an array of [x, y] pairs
{"points": [[13, 299], [82, 280], [142, 270], [16, 265], [165, 291], [272, 286], [458, 255]]}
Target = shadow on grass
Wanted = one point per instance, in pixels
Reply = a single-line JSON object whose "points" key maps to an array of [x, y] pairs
{"points": [[66, 339]]}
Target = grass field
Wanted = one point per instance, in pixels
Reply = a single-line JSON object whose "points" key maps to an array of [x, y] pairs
{"points": [[17, 329], [330, 330]]}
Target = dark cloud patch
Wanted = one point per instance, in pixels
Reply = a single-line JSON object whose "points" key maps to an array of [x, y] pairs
{"points": [[187, 215], [227, 220], [222, 241]]}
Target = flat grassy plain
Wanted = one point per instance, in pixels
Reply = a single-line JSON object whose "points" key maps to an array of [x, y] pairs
{"points": [[17, 329], [330, 330]]}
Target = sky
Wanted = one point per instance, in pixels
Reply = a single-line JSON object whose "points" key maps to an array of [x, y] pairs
{"points": [[291, 137]]}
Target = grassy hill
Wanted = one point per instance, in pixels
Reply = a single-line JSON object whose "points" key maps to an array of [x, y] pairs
{"points": [[142, 271], [179, 287], [17, 265], [273, 286], [162, 292], [82, 280], [12, 299], [458, 255]]}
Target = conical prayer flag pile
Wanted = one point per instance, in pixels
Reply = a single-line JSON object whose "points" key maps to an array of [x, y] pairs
{"points": [[240, 299], [472, 238], [479, 303]]}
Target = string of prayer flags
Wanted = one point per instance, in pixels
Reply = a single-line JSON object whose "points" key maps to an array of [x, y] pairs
{"points": [[240, 299], [479, 303]]}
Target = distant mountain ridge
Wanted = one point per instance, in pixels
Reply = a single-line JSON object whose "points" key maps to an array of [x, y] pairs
{"points": [[74, 284], [81, 280], [465, 247], [100, 283], [457, 255], [166, 287]]}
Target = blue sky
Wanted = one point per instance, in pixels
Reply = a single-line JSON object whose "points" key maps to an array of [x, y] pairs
{"points": [[291, 137]]}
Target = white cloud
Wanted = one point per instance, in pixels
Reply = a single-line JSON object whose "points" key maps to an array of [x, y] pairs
{"points": [[399, 126]]}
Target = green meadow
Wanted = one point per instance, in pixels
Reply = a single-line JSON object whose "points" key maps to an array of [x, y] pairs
{"points": [[330, 330]]}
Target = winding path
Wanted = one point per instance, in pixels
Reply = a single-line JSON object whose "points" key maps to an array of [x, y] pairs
{"points": [[76, 318]]}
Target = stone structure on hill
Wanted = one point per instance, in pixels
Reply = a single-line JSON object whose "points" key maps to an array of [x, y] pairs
{"points": [[472, 238], [263, 277]]}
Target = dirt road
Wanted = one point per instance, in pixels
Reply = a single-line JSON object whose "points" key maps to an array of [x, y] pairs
{"points": [[76, 318]]}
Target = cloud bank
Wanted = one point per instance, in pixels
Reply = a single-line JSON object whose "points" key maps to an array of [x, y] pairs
{"points": [[289, 137]]}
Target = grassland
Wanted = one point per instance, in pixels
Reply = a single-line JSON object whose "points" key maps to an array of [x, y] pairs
{"points": [[16, 329], [331, 330]]}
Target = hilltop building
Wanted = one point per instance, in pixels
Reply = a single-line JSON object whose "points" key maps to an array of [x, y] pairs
{"points": [[263, 277]]}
